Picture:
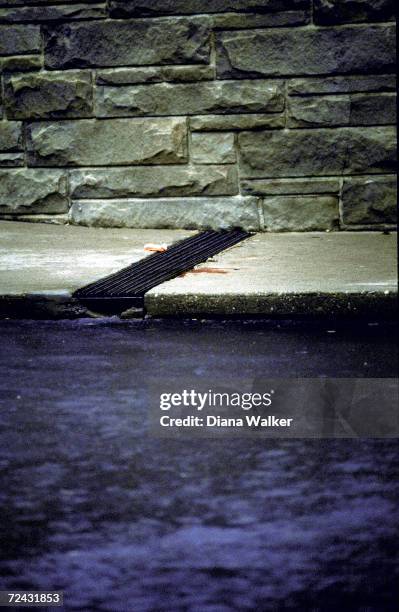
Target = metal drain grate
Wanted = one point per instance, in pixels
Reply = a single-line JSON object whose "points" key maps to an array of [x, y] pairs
{"points": [[126, 288]]}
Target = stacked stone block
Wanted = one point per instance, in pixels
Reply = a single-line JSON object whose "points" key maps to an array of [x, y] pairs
{"points": [[273, 115]]}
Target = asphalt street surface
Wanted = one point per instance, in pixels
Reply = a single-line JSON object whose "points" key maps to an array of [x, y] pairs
{"points": [[93, 505]]}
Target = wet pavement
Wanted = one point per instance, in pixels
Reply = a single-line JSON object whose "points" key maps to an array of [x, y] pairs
{"points": [[93, 505]]}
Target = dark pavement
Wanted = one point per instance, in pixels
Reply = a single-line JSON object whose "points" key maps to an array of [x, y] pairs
{"points": [[94, 506]]}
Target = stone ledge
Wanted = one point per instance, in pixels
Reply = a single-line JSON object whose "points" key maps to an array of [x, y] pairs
{"points": [[214, 212]]}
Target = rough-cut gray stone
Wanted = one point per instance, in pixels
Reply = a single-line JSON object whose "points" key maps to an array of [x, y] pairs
{"points": [[300, 213], [42, 95], [159, 181], [347, 11], [155, 74], [134, 42], [213, 148], [19, 39], [156, 59], [89, 142], [10, 136], [190, 213], [21, 63], [373, 109], [319, 111], [306, 186], [190, 98], [368, 200], [317, 152], [313, 51], [52, 13], [355, 109], [341, 84], [134, 8], [240, 21], [11, 160], [33, 191], [236, 122]]}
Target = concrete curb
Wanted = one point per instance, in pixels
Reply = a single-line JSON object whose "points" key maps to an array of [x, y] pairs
{"points": [[353, 305], [377, 304], [315, 274]]}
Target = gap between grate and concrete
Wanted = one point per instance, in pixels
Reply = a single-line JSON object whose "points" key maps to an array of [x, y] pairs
{"points": [[267, 275]]}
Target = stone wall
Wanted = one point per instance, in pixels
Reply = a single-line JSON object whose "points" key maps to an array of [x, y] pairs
{"points": [[267, 114]]}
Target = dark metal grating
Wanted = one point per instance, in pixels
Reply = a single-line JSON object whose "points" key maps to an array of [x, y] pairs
{"points": [[127, 287]]}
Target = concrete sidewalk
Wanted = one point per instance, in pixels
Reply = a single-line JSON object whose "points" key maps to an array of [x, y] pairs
{"points": [[267, 275]]}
